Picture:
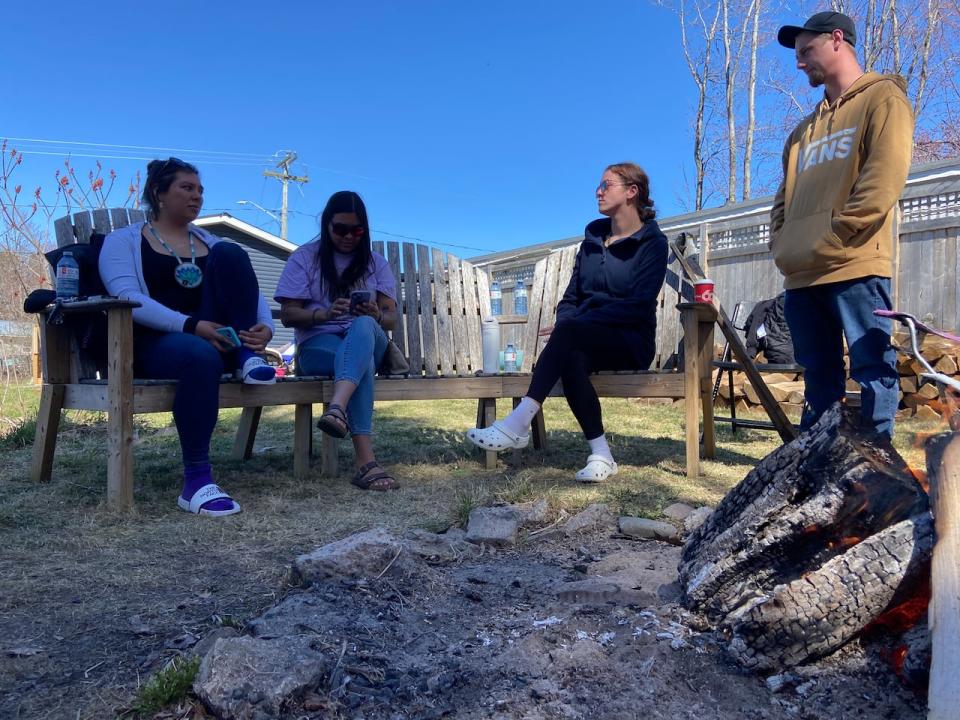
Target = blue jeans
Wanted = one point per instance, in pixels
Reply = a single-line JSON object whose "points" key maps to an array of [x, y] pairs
{"points": [[819, 317], [355, 357], [229, 296]]}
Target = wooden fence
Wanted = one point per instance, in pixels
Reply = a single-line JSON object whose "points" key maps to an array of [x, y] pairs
{"points": [[734, 240]]}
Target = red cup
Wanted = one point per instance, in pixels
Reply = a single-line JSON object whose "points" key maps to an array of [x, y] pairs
{"points": [[703, 291]]}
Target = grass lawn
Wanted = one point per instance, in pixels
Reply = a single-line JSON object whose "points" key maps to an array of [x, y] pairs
{"points": [[83, 582]]}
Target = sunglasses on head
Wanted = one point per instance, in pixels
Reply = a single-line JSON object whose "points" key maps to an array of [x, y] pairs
{"points": [[344, 230]]}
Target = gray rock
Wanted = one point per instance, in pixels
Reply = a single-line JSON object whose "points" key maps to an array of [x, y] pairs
{"points": [[203, 647], [363, 555], [246, 677], [677, 511], [781, 682], [447, 547], [649, 529], [532, 513], [696, 518], [493, 525], [591, 517]]}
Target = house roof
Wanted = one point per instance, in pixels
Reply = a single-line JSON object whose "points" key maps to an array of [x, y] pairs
{"points": [[245, 227]]}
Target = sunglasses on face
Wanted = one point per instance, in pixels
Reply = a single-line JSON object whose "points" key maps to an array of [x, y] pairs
{"points": [[602, 187], [344, 230]]}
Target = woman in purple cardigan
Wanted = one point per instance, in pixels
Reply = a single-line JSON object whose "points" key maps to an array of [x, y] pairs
{"points": [[200, 314]]}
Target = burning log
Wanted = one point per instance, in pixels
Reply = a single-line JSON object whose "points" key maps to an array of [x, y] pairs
{"points": [[943, 472], [823, 536]]}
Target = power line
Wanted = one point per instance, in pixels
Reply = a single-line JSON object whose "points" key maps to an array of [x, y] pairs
{"points": [[205, 161], [266, 157]]}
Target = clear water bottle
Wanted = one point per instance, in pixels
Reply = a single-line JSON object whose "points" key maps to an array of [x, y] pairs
{"points": [[68, 276], [510, 359], [520, 298], [496, 299]]}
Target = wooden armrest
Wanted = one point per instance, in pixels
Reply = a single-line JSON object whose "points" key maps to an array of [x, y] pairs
{"points": [[703, 311], [92, 304]]}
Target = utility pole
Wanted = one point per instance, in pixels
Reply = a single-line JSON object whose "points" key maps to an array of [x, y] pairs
{"points": [[285, 177]]}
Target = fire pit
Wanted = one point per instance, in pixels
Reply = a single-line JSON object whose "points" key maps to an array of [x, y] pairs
{"points": [[828, 537]]}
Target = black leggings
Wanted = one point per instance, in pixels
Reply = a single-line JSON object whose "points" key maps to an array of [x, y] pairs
{"points": [[575, 349]]}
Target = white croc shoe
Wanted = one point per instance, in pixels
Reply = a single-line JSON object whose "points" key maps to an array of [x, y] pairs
{"points": [[597, 469], [496, 437]]}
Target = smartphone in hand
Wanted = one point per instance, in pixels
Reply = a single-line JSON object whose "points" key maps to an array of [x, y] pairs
{"points": [[358, 297], [230, 335]]}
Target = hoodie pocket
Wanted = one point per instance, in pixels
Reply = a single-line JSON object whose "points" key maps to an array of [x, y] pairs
{"points": [[808, 243]]}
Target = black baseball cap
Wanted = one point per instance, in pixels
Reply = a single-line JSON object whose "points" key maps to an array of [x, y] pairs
{"points": [[822, 22]]}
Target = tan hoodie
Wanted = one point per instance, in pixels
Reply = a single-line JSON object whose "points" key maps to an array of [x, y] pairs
{"points": [[844, 168]]}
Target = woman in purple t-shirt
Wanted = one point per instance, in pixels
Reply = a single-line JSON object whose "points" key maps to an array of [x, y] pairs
{"points": [[340, 297]]}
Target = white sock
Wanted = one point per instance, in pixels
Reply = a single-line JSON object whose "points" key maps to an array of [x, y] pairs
{"points": [[598, 446], [518, 422]]}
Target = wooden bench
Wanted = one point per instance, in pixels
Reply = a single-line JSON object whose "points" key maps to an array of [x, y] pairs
{"points": [[442, 302]]}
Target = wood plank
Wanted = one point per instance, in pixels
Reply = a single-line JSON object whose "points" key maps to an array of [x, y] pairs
{"points": [[461, 343], [120, 409], [377, 247], [414, 346], [471, 317], [489, 406], [136, 215], [45, 437], [82, 226], [691, 375], [329, 462], [483, 293], [548, 312], [431, 356], [534, 314], [101, 221], [944, 612], [64, 231], [302, 439], [440, 388], [705, 343], [399, 333], [119, 218], [444, 318], [247, 432]]}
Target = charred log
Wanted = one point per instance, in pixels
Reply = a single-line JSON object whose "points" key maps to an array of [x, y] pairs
{"points": [[824, 535]]}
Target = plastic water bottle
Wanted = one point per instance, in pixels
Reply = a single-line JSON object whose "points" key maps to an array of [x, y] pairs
{"points": [[68, 276], [510, 359], [496, 299], [520, 298]]}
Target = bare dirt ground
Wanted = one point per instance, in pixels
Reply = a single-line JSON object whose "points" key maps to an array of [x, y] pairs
{"points": [[579, 627]]}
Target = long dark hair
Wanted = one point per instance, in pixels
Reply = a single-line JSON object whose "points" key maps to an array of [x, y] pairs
{"points": [[337, 286], [633, 174], [160, 176]]}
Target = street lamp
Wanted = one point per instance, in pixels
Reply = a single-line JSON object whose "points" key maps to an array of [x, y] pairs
{"points": [[260, 208]]}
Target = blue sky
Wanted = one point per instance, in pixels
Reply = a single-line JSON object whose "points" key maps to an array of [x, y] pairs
{"points": [[483, 125]]}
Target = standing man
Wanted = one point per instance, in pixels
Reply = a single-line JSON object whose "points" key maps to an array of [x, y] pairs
{"points": [[831, 227]]}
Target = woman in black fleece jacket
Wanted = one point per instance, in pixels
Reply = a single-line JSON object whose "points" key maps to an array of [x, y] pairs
{"points": [[606, 320]]}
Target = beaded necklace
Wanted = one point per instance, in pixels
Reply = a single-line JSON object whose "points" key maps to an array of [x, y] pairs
{"points": [[187, 274]]}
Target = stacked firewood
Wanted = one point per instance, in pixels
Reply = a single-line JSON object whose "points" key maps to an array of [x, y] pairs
{"points": [[918, 397]]}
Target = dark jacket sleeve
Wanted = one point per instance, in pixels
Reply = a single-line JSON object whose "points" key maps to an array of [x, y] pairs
{"points": [[567, 307], [649, 273]]}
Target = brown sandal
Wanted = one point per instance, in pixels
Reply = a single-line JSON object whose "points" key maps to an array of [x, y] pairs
{"points": [[373, 477], [334, 422]]}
